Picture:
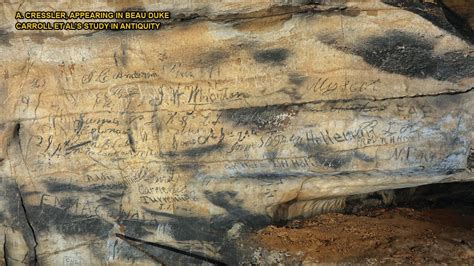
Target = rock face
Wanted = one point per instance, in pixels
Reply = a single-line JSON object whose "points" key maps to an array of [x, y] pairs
{"points": [[139, 147]]}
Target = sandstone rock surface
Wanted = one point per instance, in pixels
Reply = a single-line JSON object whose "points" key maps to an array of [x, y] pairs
{"points": [[229, 117]]}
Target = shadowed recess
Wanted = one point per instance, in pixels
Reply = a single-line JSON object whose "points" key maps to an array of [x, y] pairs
{"points": [[439, 14]]}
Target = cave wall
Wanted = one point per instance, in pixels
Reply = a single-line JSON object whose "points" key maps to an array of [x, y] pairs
{"points": [[138, 147]]}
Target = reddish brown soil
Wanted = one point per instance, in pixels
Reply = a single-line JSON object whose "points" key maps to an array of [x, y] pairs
{"points": [[398, 235]]}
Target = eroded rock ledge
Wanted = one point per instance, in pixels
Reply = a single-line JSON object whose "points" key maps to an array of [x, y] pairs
{"points": [[159, 147]]}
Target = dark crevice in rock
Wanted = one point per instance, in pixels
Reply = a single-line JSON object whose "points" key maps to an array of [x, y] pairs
{"points": [[128, 239], [140, 248], [16, 132], [35, 255], [272, 11], [470, 159], [422, 95], [14, 138], [354, 99], [5, 251]]}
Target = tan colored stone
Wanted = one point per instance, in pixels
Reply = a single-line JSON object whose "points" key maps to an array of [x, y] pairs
{"points": [[244, 114]]}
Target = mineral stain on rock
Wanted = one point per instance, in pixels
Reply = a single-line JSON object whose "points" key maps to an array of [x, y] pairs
{"points": [[212, 58], [202, 151], [5, 37], [407, 54], [229, 201], [57, 187], [49, 218], [400, 53], [272, 56], [266, 118], [410, 55], [335, 161], [297, 79]]}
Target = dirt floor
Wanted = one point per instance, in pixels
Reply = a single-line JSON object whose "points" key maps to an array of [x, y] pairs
{"points": [[398, 235]]}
